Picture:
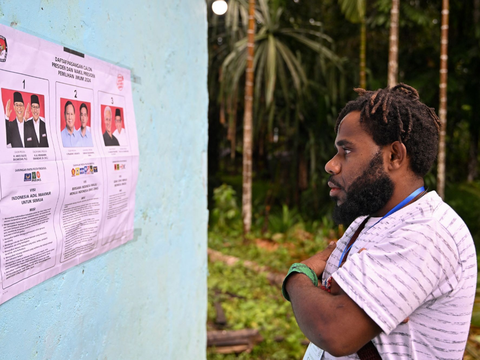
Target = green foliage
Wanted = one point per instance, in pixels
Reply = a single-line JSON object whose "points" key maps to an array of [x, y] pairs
{"points": [[248, 298], [226, 214], [284, 222], [249, 301], [277, 60], [465, 199], [354, 10]]}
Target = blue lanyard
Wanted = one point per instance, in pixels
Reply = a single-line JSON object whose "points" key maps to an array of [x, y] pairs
{"points": [[397, 207]]}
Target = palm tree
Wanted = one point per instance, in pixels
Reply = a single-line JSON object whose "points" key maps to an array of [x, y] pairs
{"points": [[275, 60], [355, 12], [393, 47], [248, 124], [443, 99]]}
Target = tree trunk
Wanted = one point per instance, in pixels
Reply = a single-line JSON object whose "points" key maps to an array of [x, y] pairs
{"points": [[393, 47], [443, 100], [363, 50], [232, 125], [248, 124]]}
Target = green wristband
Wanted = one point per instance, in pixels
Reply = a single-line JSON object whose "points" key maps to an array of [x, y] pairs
{"points": [[302, 269]]}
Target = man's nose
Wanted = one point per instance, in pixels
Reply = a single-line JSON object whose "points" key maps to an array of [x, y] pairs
{"points": [[333, 166]]}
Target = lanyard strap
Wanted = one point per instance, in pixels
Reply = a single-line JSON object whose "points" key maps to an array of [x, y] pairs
{"points": [[404, 202]]}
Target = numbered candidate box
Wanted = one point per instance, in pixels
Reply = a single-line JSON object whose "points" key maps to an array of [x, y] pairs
{"points": [[75, 120], [113, 125], [25, 108]]}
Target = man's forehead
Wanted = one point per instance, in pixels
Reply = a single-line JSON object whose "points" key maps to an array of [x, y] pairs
{"points": [[351, 117], [350, 131]]}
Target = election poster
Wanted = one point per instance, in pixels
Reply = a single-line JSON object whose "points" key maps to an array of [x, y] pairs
{"points": [[68, 159]]}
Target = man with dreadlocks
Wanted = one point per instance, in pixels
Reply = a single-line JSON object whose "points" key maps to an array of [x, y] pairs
{"points": [[400, 283]]}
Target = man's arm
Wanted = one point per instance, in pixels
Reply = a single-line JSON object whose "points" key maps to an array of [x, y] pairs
{"points": [[332, 321]]}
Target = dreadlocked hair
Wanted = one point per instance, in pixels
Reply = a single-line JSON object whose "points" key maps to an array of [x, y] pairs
{"points": [[397, 114]]}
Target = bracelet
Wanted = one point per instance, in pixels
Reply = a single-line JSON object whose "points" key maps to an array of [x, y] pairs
{"points": [[302, 269]]}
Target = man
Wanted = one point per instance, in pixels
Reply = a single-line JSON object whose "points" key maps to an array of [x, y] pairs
{"points": [[108, 138], [69, 135], [119, 132], [400, 283], [84, 135], [39, 134], [19, 132]]}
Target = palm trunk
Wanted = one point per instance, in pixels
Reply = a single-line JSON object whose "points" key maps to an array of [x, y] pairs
{"points": [[363, 49], [443, 100], [393, 47], [232, 124], [248, 124]]}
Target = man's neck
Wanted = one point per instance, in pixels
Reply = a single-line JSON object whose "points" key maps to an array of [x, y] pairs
{"points": [[36, 120], [84, 130], [70, 131], [400, 193], [20, 120]]}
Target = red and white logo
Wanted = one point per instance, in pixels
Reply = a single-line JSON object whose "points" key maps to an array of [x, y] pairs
{"points": [[3, 49], [38, 174], [120, 82]]}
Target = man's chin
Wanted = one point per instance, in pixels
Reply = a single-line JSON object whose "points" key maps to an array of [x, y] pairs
{"points": [[337, 200]]}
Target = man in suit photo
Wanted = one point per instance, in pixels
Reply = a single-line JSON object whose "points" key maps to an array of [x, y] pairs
{"points": [[69, 135], [119, 132], [108, 137], [84, 134], [40, 131], [20, 132]]}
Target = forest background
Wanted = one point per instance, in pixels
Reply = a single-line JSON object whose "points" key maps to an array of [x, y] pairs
{"points": [[307, 62]]}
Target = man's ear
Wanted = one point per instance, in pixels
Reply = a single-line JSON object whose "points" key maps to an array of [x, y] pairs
{"points": [[397, 155]]}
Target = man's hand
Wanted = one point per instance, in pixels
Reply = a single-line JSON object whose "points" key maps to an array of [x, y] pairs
{"points": [[326, 318], [27, 112], [318, 261], [8, 110]]}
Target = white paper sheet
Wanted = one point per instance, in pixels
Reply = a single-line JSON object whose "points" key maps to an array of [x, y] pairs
{"points": [[63, 199]]}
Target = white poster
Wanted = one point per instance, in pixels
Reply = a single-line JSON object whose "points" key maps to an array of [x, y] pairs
{"points": [[68, 159]]}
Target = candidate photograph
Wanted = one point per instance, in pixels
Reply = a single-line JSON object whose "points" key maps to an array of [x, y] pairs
{"points": [[120, 132], [24, 119], [75, 123], [109, 138]]}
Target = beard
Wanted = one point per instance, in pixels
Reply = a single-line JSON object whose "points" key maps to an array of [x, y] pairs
{"points": [[368, 193]]}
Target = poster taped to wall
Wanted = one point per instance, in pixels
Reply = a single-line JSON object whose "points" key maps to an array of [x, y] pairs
{"points": [[68, 159]]}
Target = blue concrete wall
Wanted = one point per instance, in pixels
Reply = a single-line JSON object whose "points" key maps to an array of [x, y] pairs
{"points": [[146, 299]]}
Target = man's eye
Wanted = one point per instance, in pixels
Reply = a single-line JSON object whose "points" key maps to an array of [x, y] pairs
{"points": [[347, 151]]}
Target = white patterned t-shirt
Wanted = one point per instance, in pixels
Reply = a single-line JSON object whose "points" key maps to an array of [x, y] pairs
{"points": [[419, 263]]}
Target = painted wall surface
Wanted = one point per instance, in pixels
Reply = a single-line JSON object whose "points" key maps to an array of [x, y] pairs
{"points": [[146, 299]]}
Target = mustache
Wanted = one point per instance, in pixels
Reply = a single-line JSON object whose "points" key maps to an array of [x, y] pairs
{"points": [[334, 182]]}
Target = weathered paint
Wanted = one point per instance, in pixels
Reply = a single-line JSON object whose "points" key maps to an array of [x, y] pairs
{"points": [[146, 299]]}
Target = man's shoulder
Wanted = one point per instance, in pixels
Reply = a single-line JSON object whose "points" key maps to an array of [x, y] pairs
{"points": [[432, 206], [433, 219]]}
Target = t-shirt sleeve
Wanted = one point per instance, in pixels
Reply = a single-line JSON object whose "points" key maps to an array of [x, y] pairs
{"points": [[412, 265]]}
